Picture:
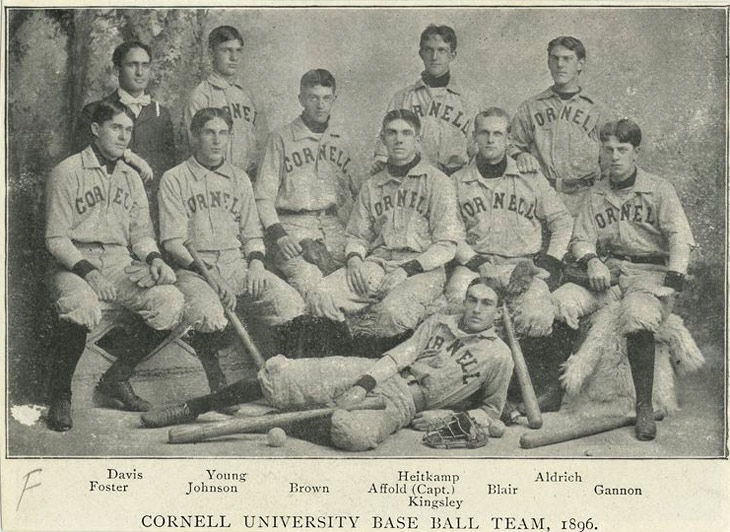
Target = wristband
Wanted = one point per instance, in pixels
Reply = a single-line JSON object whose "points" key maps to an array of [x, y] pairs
{"points": [[476, 261], [674, 280], [412, 267], [255, 255], [585, 259], [366, 382], [274, 232], [152, 256], [352, 254], [82, 268]]}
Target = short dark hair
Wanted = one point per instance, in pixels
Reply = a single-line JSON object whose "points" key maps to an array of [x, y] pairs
{"points": [[206, 114], [223, 34], [317, 76], [489, 282], [106, 110], [120, 51], [571, 43], [624, 129], [494, 111], [445, 32], [403, 114]]}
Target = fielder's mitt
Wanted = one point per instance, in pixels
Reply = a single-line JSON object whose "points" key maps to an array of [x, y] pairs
{"points": [[315, 252], [576, 274], [461, 431]]}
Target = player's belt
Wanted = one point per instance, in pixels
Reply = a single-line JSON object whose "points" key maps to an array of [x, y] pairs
{"points": [[569, 186], [329, 211], [641, 259]]}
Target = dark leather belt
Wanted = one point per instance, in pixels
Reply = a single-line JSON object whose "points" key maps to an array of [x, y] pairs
{"points": [[329, 211], [572, 185], [642, 259]]}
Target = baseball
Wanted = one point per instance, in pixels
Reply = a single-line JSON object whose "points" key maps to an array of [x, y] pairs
{"points": [[276, 437], [496, 428]]}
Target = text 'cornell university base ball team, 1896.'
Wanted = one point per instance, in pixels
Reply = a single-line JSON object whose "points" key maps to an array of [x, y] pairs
{"points": [[388, 287]]}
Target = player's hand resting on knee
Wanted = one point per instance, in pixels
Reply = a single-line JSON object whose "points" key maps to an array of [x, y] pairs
{"points": [[356, 276], [256, 279], [431, 419], [161, 272], [102, 286], [351, 397], [226, 294], [599, 276], [289, 247]]}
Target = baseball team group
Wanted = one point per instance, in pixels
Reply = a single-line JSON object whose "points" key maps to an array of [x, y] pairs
{"points": [[421, 252]]}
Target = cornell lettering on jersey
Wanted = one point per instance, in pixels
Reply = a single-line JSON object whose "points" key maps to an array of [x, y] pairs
{"points": [[240, 111], [402, 198], [444, 112], [577, 116], [628, 212], [95, 196], [327, 152], [215, 200], [523, 207]]}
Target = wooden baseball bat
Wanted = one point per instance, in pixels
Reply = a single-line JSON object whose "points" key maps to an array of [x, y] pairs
{"points": [[586, 427], [534, 417], [238, 327], [204, 431]]}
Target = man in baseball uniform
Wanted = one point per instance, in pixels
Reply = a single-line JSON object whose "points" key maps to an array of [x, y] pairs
{"points": [[304, 176], [222, 89], [451, 362], [210, 202], [632, 222], [96, 211], [403, 229], [560, 126], [153, 142], [442, 104]]}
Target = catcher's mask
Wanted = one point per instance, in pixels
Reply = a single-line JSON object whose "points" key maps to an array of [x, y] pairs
{"points": [[461, 431]]}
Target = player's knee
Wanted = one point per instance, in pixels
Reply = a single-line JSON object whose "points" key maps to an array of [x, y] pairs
{"points": [[356, 430], [166, 305], [396, 315], [286, 302], [205, 316], [81, 308], [640, 312]]}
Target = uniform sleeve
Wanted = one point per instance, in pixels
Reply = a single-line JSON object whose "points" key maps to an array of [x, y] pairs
{"points": [[82, 134], [59, 217], [249, 224], [404, 354], [585, 234], [521, 131], [141, 233], [381, 153], [360, 233], [269, 179], [551, 209], [173, 216], [675, 227], [445, 224], [493, 393]]}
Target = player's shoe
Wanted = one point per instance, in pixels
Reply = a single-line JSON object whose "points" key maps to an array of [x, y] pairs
{"points": [[119, 395], [59, 414], [168, 415]]}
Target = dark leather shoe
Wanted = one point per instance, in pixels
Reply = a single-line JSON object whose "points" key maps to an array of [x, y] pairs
{"points": [[59, 414], [120, 395], [169, 415], [645, 424]]}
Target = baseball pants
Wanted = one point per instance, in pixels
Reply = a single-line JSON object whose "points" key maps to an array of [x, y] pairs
{"points": [[203, 309], [160, 306], [303, 275]]}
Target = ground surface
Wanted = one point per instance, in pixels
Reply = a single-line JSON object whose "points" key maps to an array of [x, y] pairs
{"points": [[697, 430]]}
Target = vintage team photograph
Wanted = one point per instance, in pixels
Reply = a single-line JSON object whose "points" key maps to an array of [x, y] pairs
{"points": [[366, 232]]}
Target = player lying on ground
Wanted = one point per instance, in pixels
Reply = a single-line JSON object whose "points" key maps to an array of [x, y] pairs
{"points": [[636, 221], [450, 362]]}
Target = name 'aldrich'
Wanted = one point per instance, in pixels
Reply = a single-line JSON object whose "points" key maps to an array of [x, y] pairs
{"points": [[426, 476]]}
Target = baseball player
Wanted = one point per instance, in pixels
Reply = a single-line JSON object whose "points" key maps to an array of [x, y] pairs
{"points": [[97, 211], [442, 104], [210, 202], [222, 89], [403, 229], [634, 223], [304, 176], [152, 146], [452, 361], [560, 127]]}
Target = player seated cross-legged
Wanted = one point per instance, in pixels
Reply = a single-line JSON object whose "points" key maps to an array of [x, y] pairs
{"points": [[403, 229], [97, 211], [209, 202], [451, 362], [504, 212]]}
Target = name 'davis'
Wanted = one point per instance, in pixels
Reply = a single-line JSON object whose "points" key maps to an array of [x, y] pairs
{"points": [[217, 482], [111, 483]]}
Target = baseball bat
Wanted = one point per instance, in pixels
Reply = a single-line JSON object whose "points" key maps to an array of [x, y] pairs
{"points": [[200, 432], [238, 327], [534, 417], [587, 427]]}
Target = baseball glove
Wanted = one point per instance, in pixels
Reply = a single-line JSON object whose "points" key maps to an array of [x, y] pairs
{"points": [[460, 431], [139, 273], [316, 252], [576, 274]]}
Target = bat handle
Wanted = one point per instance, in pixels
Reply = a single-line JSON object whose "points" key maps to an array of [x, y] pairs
{"points": [[241, 331]]}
